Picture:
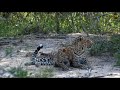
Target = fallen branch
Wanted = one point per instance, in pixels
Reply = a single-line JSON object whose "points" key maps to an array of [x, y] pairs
{"points": [[4, 43]]}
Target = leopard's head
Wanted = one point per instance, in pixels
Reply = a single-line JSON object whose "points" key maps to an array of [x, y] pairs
{"points": [[86, 42]]}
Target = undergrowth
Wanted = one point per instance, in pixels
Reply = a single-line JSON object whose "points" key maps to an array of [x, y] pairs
{"points": [[8, 51], [111, 46], [45, 73], [18, 72]]}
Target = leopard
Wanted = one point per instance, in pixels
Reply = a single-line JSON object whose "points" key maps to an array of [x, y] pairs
{"points": [[73, 54]]}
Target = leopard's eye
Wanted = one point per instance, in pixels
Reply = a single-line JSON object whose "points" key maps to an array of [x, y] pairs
{"points": [[82, 48], [81, 39], [64, 50]]}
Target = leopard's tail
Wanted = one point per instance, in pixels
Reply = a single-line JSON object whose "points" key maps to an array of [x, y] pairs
{"points": [[38, 48], [32, 62]]}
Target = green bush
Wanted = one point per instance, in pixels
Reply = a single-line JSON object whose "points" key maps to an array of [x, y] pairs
{"points": [[112, 46], [8, 51], [117, 56], [18, 72], [44, 73], [115, 40], [99, 47]]}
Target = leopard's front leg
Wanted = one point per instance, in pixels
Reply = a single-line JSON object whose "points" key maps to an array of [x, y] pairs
{"points": [[79, 62], [61, 60], [63, 64], [76, 64]]}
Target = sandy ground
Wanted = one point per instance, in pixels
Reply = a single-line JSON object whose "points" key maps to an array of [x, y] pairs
{"points": [[102, 66]]}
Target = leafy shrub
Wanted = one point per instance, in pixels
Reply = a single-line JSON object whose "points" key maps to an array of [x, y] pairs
{"points": [[18, 72], [117, 56], [112, 46], [8, 51], [115, 40], [45, 73], [99, 47], [95, 49]]}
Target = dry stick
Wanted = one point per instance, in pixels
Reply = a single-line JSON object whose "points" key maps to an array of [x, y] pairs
{"points": [[103, 75], [85, 31]]}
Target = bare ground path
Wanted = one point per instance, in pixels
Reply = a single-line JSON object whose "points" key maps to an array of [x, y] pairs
{"points": [[102, 66]]}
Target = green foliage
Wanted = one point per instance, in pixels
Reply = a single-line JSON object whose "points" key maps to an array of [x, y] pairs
{"points": [[117, 56], [115, 39], [99, 47], [18, 72], [20, 23], [8, 51], [112, 46], [45, 73], [95, 49]]}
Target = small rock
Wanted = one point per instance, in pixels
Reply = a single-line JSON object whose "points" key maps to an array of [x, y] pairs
{"points": [[7, 75], [1, 72]]}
